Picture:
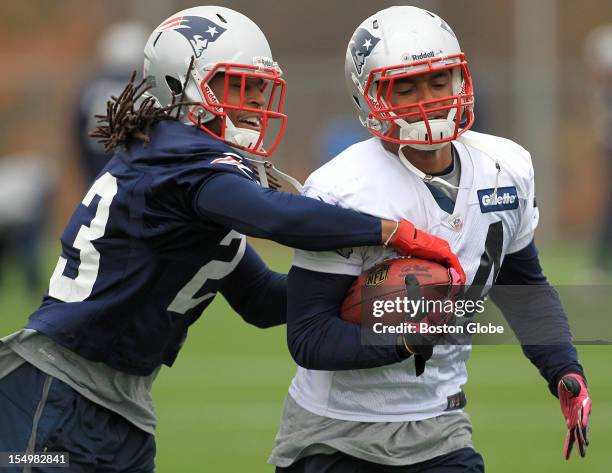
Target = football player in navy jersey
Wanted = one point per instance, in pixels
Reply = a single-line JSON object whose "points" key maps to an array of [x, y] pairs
{"points": [[159, 233]]}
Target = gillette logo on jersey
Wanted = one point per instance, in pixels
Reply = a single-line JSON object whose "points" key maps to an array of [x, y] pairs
{"points": [[197, 30], [361, 47], [506, 198]]}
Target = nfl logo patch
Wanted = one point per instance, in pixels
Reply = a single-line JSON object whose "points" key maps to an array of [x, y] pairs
{"points": [[378, 276]]}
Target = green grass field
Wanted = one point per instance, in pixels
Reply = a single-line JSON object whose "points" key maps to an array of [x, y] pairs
{"points": [[219, 406]]}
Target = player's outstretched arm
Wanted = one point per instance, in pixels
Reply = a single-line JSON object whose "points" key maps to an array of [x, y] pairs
{"points": [[317, 338], [256, 292], [540, 312], [292, 220], [309, 224]]}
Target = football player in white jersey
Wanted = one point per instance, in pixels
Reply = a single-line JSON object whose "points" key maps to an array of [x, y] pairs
{"points": [[354, 407]]}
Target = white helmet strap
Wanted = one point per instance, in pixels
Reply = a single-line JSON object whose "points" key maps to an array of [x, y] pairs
{"points": [[241, 136], [441, 128], [264, 166]]}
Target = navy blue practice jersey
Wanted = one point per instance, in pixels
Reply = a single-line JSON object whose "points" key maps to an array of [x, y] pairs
{"points": [[138, 263]]}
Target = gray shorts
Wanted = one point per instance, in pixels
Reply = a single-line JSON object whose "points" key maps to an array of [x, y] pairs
{"points": [[303, 433]]}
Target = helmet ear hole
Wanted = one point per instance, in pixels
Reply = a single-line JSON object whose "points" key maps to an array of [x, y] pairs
{"points": [[356, 99], [174, 84]]}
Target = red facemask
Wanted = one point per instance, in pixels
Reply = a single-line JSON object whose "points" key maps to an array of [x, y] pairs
{"points": [[383, 115], [269, 113]]}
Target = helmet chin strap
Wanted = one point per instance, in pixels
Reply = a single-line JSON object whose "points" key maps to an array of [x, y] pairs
{"points": [[429, 178], [263, 167], [441, 128], [243, 137], [418, 131], [247, 138]]}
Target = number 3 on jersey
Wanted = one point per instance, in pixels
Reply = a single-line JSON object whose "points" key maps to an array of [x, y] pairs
{"points": [[78, 289]]}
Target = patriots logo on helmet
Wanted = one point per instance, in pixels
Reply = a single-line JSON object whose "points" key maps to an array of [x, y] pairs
{"points": [[199, 31], [361, 46]]}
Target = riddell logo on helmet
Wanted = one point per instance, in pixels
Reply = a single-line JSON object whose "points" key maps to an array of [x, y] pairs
{"points": [[418, 57], [263, 62], [212, 98]]}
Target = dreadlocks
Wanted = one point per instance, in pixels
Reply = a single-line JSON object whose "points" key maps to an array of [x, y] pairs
{"points": [[123, 121]]}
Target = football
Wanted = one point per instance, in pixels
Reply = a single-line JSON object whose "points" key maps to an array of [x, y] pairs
{"points": [[402, 277]]}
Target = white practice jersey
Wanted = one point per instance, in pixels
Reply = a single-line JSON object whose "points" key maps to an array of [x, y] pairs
{"points": [[483, 228]]}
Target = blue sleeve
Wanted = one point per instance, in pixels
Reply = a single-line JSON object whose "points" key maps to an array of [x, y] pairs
{"points": [[537, 309], [292, 220], [257, 293], [318, 338]]}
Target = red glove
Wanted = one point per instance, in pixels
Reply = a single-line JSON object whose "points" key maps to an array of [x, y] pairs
{"points": [[413, 242], [576, 407]]}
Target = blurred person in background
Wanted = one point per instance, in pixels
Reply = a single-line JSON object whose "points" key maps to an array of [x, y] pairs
{"points": [[598, 56], [120, 53], [159, 233], [335, 135], [27, 181]]}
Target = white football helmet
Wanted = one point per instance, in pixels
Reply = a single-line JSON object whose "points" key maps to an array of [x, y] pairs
{"points": [[219, 40], [400, 42]]}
